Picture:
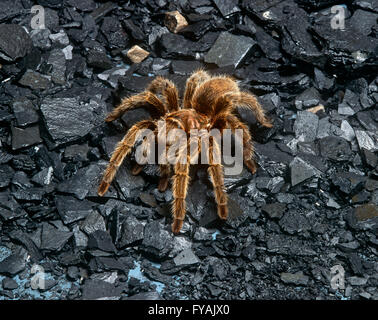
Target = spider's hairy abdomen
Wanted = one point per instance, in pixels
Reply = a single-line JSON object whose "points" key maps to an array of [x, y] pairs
{"points": [[208, 103]]}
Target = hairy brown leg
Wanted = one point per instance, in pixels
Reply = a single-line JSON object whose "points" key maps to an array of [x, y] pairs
{"points": [[248, 149], [229, 101], [191, 84], [215, 171], [146, 145], [229, 121], [136, 169], [122, 149], [145, 98], [250, 101], [180, 189], [165, 171], [168, 89]]}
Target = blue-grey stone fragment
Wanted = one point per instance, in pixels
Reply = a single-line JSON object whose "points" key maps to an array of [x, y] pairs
{"points": [[229, 50]]}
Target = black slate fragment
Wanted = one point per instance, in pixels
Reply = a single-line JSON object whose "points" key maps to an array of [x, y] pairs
{"points": [[25, 112], [23, 238], [301, 171], [297, 278], [53, 239], [229, 49], [70, 209], [101, 240], [6, 174], [9, 208], [132, 231], [177, 46], [67, 119], [22, 138], [35, 80], [227, 7], [186, 257], [14, 42], [335, 148], [274, 210], [348, 182], [12, 265], [9, 284], [93, 221], [294, 222], [9, 9], [99, 289], [157, 241], [145, 296], [306, 126]]}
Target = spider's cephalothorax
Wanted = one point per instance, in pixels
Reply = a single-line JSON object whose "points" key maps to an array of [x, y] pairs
{"points": [[209, 102]]}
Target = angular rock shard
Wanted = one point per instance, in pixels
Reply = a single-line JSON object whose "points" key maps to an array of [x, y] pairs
{"points": [[229, 50], [301, 171], [68, 120], [14, 42]]}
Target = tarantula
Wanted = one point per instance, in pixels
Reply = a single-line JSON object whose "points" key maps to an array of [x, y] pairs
{"points": [[209, 102]]}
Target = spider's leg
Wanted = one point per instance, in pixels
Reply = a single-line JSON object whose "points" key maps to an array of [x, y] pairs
{"points": [[180, 189], [230, 121], [215, 171], [122, 149], [146, 145], [165, 171], [249, 101], [145, 98], [191, 85], [137, 169], [168, 89], [248, 148]]}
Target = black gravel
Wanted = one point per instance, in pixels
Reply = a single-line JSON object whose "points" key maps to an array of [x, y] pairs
{"points": [[312, 205]]}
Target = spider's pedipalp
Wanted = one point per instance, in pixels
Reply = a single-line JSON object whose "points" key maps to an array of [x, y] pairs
{"points": [[192, 83], [168, 89], [145, 98], [121, 151]]}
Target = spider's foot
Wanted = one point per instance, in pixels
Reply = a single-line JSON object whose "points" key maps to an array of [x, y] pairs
{"points": [[137, 169], [163, 184], [223, 211], [110, 118], [177, 225], [104, 186], [251, 165], [267, 124]]}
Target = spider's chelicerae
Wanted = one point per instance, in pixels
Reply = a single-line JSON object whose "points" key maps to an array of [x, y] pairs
{"points": [[209, 102]]}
